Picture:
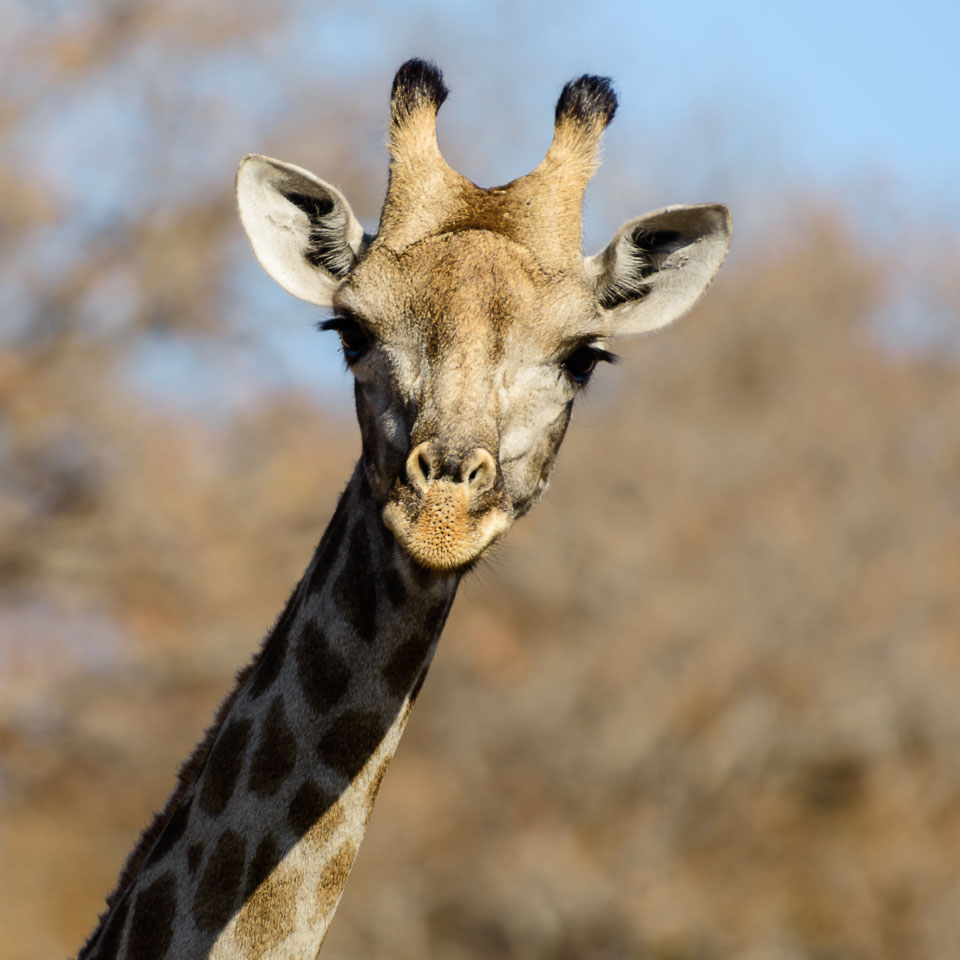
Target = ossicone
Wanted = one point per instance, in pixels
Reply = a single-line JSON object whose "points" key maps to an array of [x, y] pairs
{"points": [[587, 100], [418, 83]]}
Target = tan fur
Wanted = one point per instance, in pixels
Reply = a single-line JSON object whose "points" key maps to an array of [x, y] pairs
{"points": [[333, 879], [319, 834], [268, 917]]}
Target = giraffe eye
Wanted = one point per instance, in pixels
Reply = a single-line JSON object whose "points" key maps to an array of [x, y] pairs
{"points": [[353, 339], [580, 364]]}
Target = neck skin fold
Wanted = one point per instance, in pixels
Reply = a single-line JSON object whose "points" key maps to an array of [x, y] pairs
{"points": [[250, 856]]}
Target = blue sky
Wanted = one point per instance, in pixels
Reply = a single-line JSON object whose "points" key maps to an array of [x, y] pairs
{"points": [[854, 84], [846, 86], [818, 91], [751, 103]]}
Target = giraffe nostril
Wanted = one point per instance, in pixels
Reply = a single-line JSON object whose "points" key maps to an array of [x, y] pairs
{"points": [[422, 466], [479, 471], [426, 465]]}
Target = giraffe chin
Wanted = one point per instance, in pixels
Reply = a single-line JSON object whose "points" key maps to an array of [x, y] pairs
{"points": [[440, 532]]}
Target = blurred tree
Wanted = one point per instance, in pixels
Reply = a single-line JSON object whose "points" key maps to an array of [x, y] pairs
{"points": [[718, 701]]}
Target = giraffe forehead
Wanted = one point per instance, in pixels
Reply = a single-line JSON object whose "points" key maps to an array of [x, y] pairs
{"points": [[459, 291]]}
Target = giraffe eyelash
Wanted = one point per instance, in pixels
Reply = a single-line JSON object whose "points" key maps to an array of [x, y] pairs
{"points": [[354, 340], [580, 363]]}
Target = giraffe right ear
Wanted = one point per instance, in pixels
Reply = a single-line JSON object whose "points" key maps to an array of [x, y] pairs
{"points": [[657, 266], [302, 230]]}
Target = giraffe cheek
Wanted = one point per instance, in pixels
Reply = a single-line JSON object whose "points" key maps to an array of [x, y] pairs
{"points": [[384, 434], [526, 476]]}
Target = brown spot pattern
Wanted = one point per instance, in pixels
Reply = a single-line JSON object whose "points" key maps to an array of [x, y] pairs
{"points": [[355, 590], [307, 806], [276, 753], [172, 832], [151, 929], [422, 575], [406, 669], [323, 674], [436, 617], [219, 885], [264, 862], [395, 587], [318, 836], [405, 663], [374, 788], [275, 648], [223, 767], [109, 945], [269, 916], [329, 548], [350, 741], [194, 856], [333, 878]]}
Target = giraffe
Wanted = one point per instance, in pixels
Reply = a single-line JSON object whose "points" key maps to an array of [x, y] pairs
{"points": [[471, 321]]}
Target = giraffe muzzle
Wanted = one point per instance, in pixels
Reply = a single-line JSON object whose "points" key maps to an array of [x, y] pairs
{"points": [[448, 509]]}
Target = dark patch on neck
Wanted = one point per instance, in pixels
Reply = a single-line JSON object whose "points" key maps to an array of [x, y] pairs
{"points": [[274, 650], [424, 577], [405, 663], [264, 862], [220, 776], [407, 667], [172, 832], [218, 889], [276, 753], [194, 856], [308, 805], [351, 740], [395, 587], [151, 930], [437, 617], [355, 590], [323, 673], [330, 546]]}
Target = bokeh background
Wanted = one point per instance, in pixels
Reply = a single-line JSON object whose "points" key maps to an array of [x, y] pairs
{"points": [[705, 701]]}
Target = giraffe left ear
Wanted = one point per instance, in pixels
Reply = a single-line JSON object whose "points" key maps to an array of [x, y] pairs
{"points": [[301, 229], [657, 266]]}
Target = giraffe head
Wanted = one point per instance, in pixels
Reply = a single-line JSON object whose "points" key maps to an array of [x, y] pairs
{"points": [[472, 320]]}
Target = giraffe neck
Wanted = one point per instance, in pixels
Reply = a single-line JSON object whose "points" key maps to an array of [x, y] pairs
{"points": [[253, 850]]}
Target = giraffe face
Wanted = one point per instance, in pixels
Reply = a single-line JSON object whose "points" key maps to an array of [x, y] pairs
{"points": [[471, 321], [467, 358]]}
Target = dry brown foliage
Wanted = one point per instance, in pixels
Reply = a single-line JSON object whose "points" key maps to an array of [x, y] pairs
{"points": [[701, 704]]}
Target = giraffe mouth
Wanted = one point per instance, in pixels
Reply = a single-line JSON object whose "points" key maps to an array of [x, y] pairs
{"points": [[442, 530]]}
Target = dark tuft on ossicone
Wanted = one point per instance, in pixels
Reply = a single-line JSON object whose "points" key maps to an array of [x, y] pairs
{"points": [[417, 82], [587, 99]]}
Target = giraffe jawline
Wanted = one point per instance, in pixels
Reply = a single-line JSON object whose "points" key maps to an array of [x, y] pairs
{"points": [[440, 534]]}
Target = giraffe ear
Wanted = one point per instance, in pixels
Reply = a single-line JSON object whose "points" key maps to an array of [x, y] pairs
{"points": [[657, 266], [302, 230]]}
